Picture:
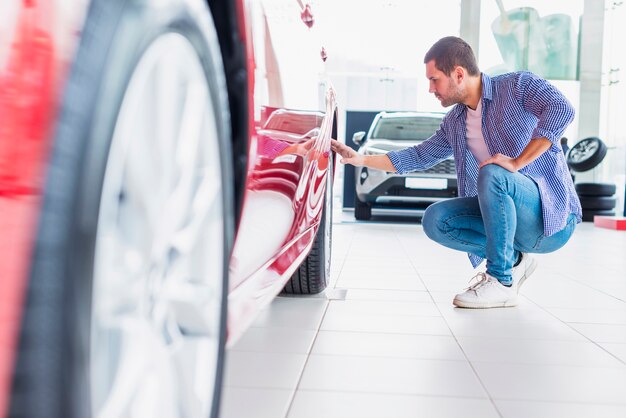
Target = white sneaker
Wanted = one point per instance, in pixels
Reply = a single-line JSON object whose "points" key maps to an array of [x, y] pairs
{"points": [[523, 270], [487, 292]]}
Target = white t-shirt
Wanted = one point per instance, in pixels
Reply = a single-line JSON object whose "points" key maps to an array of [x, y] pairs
{"points": [[475, 138]]}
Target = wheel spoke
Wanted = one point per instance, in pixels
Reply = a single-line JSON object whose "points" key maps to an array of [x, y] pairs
{"points": [[138, 360], [189, 170]]}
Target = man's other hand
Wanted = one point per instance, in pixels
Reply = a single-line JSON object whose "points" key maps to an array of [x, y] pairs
{"points": [[503, 161]]}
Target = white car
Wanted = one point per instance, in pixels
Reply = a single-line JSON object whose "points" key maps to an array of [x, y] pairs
{"points": [[416, 190]]}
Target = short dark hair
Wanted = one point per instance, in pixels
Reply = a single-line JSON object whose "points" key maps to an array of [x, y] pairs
{"points": [[450, 52]]}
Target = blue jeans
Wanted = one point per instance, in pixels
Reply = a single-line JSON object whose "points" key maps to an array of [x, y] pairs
{"points": [[502, 221]]}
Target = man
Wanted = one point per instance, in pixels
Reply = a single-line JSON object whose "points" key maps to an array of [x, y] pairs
{"points": [[517, 194]]}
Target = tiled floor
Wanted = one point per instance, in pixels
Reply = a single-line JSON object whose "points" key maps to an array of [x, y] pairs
{"points": [[385, 340]]}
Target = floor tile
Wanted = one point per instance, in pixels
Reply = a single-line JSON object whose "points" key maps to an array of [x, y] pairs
{"points": [[361, 263], [293, 312], [570, 294], [377, 248], [443, 297], [486, 327], [590, 316], [382, 269], [618, 350], [266, 403], [444, 284], [525, 311], [387, 345], [381, 283], [602, 333], [553, 383], [526, 409], [315, 404], [389, 295], [395, 324], [386, 340], [395, 376], [263, 370], [548, 352], [375, 307], [441, 267], [276, 340]]}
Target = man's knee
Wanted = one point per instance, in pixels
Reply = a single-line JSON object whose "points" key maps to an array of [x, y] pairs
{"points": [[490, 174], [491, 171], [430, 220]]}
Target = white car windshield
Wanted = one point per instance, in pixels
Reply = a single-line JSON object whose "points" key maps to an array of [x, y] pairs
{"points": [[416, 128]]}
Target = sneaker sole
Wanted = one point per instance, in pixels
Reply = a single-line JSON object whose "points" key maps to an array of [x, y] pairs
{"points": [[475, 305], [530, 270]]}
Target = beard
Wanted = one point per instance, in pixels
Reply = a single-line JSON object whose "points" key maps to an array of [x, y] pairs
{"points": [[452, 96]]}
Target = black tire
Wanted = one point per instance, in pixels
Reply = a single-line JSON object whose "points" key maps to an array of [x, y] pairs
{"points": [[588, 215], [52, 371], [595, 189], [314, 273], [586, 154], [362, 210], [597, 203]]}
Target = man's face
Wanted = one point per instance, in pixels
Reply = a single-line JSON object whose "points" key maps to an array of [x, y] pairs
{"points": [[445, 88]]}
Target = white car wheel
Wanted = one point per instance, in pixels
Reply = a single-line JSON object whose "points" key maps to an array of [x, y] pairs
{"points": [[125, 311], [158, 274]]}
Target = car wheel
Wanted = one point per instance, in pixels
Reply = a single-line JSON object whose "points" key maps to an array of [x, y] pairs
{"points": [[595, 189], [314, 273], [362, 210], [126, 306], [589, 214], [586, 154], [597, 202]]}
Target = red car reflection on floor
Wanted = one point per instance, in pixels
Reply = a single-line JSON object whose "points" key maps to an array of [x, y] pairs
{"points": [[165, 172]]}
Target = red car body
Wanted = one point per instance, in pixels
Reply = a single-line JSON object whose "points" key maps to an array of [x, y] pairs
{"points": [[280, 196]]}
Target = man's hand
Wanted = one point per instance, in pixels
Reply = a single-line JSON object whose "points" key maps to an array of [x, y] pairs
{"points": [[501, 160], [533, 150], [348, 155]]}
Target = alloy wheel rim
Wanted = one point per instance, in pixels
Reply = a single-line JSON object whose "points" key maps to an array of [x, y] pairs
{"points": [[583, 151], [159, 261]]}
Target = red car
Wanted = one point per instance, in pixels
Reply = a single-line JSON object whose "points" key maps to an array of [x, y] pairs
{"points": [[165, 172]]}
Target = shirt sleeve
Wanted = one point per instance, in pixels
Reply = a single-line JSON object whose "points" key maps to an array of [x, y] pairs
{"points": [[424, 155], [548, 104]]}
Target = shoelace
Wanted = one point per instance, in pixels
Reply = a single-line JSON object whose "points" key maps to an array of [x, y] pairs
{"points": [[477, 281]]}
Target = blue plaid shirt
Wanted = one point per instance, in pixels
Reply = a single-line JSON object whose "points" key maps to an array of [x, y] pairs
{"points": [[517, 107]]}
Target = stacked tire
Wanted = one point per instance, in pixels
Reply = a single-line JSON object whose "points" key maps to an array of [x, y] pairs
{"points": [[596, 199]]}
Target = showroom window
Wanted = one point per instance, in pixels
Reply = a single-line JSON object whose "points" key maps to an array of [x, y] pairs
{"points": [[613, 105], [534, 35], [376, 50], [539, 36]]}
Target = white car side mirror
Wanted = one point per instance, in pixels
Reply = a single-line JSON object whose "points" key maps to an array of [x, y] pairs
{"points": [[357, 138]]}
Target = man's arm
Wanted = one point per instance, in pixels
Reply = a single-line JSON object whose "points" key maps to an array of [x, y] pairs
{"points": [[554, 113], [533, 150], [350, 156], [548, 104]]}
